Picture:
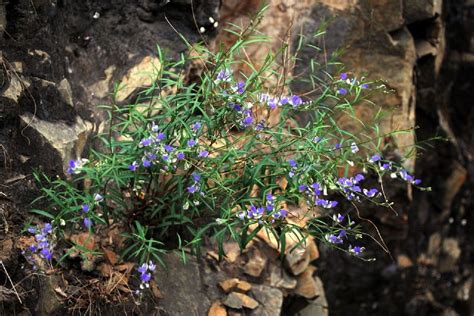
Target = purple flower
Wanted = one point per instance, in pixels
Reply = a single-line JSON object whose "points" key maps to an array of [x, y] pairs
{"points": [[316, 188], [33, 248], [168, 148], [292, 163], [72, 167], [133, 166], [235, 106], [146, 163], [272, 103], [333, 239], [370, 193], [374, 158], [343, 76], [45, 253], [296, 101], [193, 189], [342, 234], [160, 136], [270, 197], [87, 222], [359, 177], [406, 176], [338, 218], [248, 120], [284, 101], [203, 154], [145, 142], [239, 87], [32, 230], [192, 143], [47, 229], [337, 146], [342, 91], [180, 156], [302, 187], [224, 75], [196, 176], [354, 148], [196, 126], [85, 208], [385, 166], [145, 277], [165, 157], [143, 268], [357, 250], [417, 181], [364, 86]]}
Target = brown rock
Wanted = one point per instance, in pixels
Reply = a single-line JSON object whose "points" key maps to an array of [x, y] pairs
{"points": [[256, 264], [217, 309], [233, 284], [238, 300], [307, 286]]}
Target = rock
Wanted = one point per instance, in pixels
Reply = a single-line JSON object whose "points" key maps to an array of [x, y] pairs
{"points": [[48, 301], [15, 88], [279, 278], [270, 299], [235, 284], [418, 10], [256, 264], [65, 91], [297, 260], [217, 309], [238, 300], [317, 306], [449, 255], [59, 142], [181, 286], [307, 286], [232, 251], [141, 75]]}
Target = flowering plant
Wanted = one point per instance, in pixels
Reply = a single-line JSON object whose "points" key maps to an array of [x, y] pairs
{"points": [[227, 158]]}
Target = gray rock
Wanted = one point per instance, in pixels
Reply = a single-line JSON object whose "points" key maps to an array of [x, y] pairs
{"points": [[60, 142], [181, 287], [270, 299], [279, 278]]}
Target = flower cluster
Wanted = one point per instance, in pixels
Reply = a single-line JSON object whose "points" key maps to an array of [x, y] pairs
{"points": [[86, 208], [338, 237], [312, 193], [43, 246], [157, 151], [346, 84], [74, 166], [398, 173], [243, 104], [264, 213], [146, 270]]}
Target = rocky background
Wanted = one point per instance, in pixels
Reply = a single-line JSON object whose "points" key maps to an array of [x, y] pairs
{"points": [[59, 60]]}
